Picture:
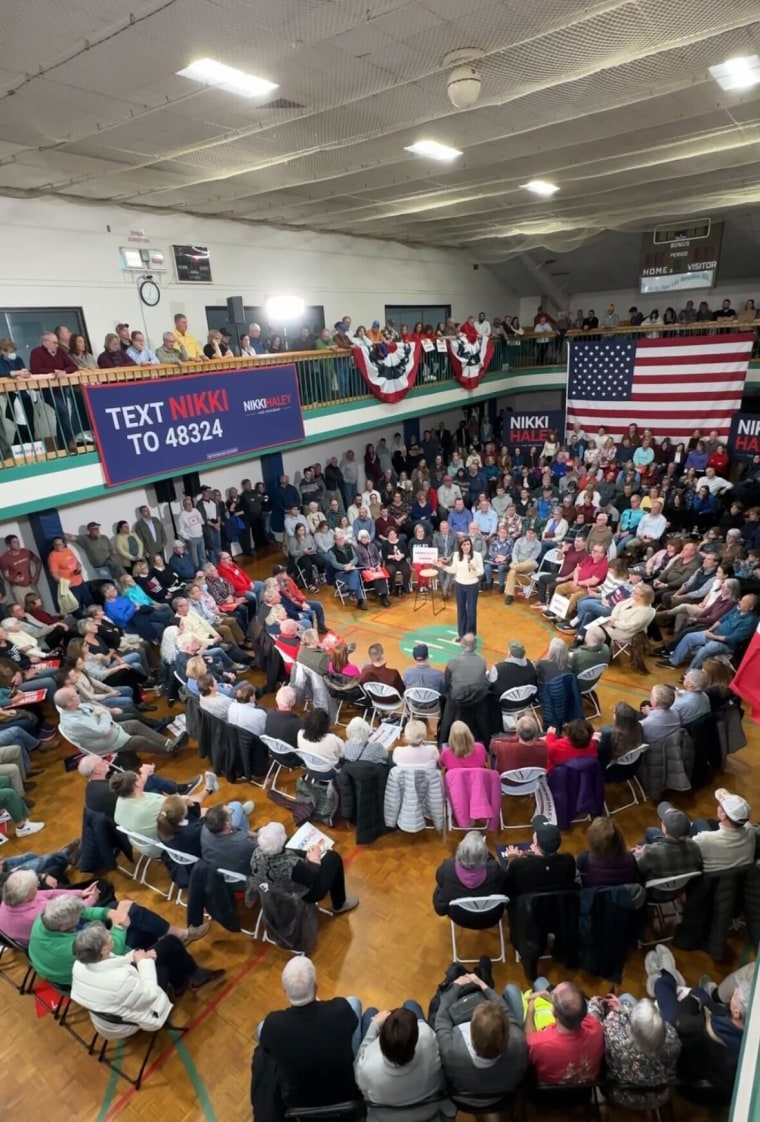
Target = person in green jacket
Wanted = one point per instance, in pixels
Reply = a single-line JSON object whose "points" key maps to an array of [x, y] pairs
{"points": [[132, 927]]}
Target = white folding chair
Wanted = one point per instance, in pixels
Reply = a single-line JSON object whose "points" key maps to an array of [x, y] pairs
{"points": [[672, 888], [619, 647], [478, 906], [551, 557], [110, 758], [386, 701], [143, 845], [179, 858], [421, 702], [588, 680], [629, 760], [513, 703], [279, 752], [319, 769], [528, 781]]}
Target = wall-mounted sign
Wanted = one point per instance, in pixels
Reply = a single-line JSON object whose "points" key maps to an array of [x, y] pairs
{"points": [[192, 263]]}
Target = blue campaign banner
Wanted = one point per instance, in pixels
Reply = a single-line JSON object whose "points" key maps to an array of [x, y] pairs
{"points": [[161, 428], [532, 428], [744, 436]]}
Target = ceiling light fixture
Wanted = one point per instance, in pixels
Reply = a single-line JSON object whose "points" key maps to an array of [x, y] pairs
{"points": [[433, 150], [463, 82], [213, 73], [737, 73], [541, 187]]}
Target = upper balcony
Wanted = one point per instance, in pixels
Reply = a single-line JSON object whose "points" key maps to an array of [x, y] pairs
{"points": [[47, 430]]}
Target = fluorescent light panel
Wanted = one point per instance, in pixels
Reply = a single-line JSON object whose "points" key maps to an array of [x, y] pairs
{"points": [[737, 73], [213, 73], [433, 150], [541, 187]]}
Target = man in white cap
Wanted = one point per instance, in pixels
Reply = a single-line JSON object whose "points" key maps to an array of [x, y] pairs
{"points": [[732, 842]]}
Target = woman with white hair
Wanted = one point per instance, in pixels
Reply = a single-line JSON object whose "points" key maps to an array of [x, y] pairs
{"points": [[640, 1047], [310, 875], [554, 662], [359, 744], [374, 573], [133, 987], [22, 902], [417, 749], [471, 872]]}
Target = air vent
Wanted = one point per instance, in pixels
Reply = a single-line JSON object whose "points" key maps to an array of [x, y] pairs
{"points": [[281, 103]]}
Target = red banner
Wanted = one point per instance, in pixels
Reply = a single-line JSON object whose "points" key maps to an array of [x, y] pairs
{"points": [[389, 369], [470, 360]]}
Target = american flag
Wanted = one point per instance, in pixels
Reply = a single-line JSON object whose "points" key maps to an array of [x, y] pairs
{"points": [[671, 386]]}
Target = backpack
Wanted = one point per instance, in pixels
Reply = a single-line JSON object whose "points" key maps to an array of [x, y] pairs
{"points": [[321, 795]]}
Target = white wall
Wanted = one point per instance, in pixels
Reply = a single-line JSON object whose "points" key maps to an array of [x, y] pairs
{"points": [[57, 253], [626, 298]]}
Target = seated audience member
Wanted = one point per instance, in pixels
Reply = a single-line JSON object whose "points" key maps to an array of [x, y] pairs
{"points": [[244, 713], [730, 633], [281, 722], [593, 651], [23, 900], [481, 1043], [513, 671], [315, 737], [137, 809], [640, 1048], [669, 851], [343, 561], [607, 862], [181, 563], [398, 1065], [554, 662], [377, 670], [462, 750], [630, 617], [422, 673], [578, 742], [471, 872], [212, 701], [132, 987], [539, 867], [179, 825], [93, 728], [396, 560], [658, 719], [692, 702], [361, 746], [310, 876], [305, 1054], [340, 662], [55, 928], [417, 750], [100, 796], [311, 654], [728, 840], [523, 748], [226, 839], [571, 1049], [622, 736], [711, 1033]]}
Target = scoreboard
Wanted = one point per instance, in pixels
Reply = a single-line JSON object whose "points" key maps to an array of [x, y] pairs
{"points": [[680, 256]]}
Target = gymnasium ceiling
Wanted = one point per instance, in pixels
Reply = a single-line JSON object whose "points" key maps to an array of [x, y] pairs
{"points": [[609, 99]]}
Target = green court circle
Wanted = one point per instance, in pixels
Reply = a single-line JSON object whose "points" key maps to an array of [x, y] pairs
{"points": [[442, 642]]}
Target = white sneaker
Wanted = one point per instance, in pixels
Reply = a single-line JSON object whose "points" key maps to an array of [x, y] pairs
{"points": [[248, 807], [29, 828], [212, 783]]}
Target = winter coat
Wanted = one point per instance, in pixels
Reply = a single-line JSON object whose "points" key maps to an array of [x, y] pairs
{"points": [[560, 700], [712, 901], [101, 842], [668, 765], [577, 788], [209, 892], [361, 788], [533, 916], [611, 921], [413, 794], [474, 794], [116, 987]]}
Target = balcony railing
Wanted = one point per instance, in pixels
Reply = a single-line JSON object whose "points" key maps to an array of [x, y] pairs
{"points": [[46, 418]]}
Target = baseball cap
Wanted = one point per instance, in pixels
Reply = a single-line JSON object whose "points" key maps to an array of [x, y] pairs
{"points": [[516, 649], [119, 326], [734, 806], [675, 821], [547, 834], [375, 322], [92, 525], [420, 652]]}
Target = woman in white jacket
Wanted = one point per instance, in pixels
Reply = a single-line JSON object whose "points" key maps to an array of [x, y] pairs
{"points": [[132, 987], [631, 616]]}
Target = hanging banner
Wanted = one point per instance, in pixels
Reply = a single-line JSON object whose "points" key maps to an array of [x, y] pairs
{"points": [[744, 436], [159, 429], [389, 369], [532, 428], [470, 359]]}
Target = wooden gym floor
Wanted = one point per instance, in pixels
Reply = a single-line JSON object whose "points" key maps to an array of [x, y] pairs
{"points": [[391, 948]]}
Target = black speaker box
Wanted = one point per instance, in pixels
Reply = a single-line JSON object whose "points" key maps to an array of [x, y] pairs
{"points": [[236, 309], [192, 484], [165, 491]]}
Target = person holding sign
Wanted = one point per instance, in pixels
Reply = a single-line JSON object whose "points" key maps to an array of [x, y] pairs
{"points": [[466, 567], [370, 561]]}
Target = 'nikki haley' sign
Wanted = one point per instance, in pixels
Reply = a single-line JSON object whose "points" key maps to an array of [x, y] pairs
{"points": [[532, 428], [162, 428]]}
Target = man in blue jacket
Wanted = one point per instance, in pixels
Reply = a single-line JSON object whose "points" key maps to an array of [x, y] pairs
{"points": [[730, 633]]}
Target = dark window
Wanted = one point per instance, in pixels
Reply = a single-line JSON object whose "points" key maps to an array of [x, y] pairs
{"points": [[25, 326]]}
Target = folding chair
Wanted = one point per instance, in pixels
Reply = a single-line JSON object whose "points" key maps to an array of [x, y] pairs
{"points": [[353, 695], [552, 557], [478, 909], [111, 1028], [386, 701], [527, 781], [341, 590], [140, 843], [623, 770], [17, 954], [284, 758], [180, 877], [620, 648], [588, 680], [513, 703], [669, 891], [421, 702]]}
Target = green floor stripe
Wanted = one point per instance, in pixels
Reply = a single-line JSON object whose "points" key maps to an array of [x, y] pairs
{"points": [[105, 1106], [195, 1078]]}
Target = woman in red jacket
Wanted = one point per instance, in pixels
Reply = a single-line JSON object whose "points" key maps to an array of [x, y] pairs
{"points": [[579, 742], [719, 460]]}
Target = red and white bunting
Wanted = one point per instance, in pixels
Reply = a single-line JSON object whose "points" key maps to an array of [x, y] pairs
{"points": [[470, 360], [389, 369]]}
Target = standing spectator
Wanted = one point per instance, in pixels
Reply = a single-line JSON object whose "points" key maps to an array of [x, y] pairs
{"points": [[190, 526], [66, 570], [151, 532], [21, 568]]}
